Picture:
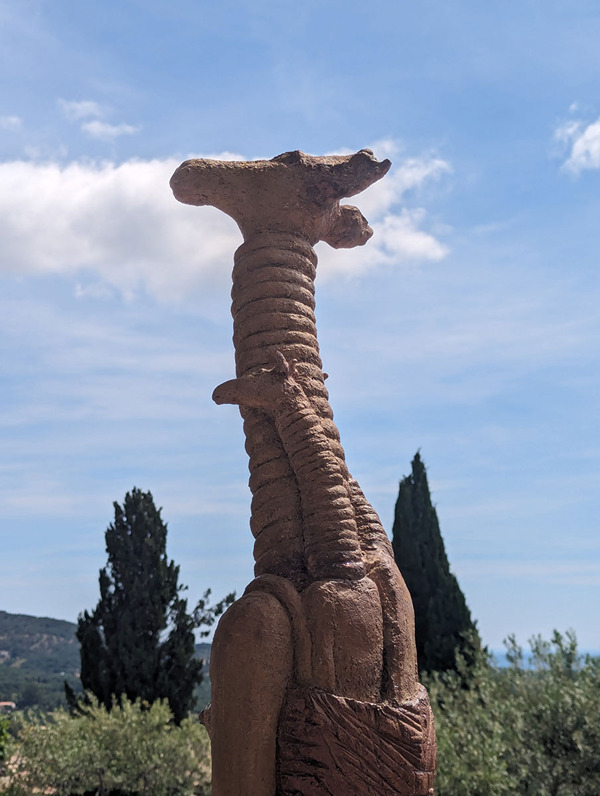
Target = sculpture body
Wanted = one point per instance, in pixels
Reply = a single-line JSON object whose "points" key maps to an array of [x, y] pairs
{"points": [[313, 670]]}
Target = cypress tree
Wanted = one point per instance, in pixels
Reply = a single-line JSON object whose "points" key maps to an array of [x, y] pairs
{"points": [[139, 640], [443, 623]]}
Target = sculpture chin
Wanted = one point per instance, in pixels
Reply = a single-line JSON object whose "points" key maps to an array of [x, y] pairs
{"points": [[348, 229]]}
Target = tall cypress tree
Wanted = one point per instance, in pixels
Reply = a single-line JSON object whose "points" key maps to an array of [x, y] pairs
{"points": [[443, 621], [139, 640]]}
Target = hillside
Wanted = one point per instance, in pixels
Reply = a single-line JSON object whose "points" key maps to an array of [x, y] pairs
{"points": [[37, 644], [37, 654]]}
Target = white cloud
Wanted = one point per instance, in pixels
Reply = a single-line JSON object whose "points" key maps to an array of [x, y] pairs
{"points": [[122, 224], [568, 131], [10, 122], [107, 132], [406, 174], [397, 240], [401, 237], [95, 114], [584, 143], [119, 222], [398, 234], [74, 111]]}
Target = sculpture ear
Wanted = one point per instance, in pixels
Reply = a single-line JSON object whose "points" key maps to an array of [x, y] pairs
{"points": [[282, 366], [325, 376]]}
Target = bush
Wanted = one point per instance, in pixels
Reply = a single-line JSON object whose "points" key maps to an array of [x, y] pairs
{"points": [[470, 724], [531, 728], [3, 740], [557, 699], [133, 750]]}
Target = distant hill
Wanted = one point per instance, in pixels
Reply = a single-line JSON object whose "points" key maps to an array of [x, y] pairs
{"points": [[40, 644], [37, 654], [202, 691]]}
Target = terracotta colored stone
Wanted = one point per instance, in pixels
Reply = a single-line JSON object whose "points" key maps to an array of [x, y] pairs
{"points": [[319, 752], [313, 670]]}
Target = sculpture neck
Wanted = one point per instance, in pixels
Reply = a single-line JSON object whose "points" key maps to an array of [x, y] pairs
{"points": [[273, 302]]}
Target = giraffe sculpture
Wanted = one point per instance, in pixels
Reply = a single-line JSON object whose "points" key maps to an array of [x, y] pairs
{"points": [[313, 670]]}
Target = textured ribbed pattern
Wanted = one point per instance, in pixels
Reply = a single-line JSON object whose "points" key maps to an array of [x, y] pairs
{"points": [[329, 746], [273, 310], [331, 541]]}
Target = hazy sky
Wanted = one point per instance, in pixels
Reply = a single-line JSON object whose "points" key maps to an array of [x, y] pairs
{"points": [[467, 327]]}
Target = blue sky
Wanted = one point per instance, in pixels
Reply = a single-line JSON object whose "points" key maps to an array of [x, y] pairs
{"points": [[467, 327]]}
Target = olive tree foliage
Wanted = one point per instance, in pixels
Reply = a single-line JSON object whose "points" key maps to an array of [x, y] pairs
{"points": [[4, 740], [132, 750], [530, 728], [140, 639]]}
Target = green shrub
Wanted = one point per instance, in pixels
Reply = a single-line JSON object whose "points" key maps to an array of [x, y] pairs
{"points": [[531, 728], [470, 724], [133, 750], [4, 737], [556, 698]]}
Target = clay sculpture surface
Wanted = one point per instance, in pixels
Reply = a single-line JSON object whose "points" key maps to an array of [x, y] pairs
{"points": [[313, 669]]}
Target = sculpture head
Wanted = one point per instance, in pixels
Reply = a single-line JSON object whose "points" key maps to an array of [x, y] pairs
{"points": [[261, 388], [293, 193]]}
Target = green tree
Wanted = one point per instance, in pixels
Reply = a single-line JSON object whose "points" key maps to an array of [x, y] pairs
{"points": [[29, 695], [139, 641], [443, 621]]}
